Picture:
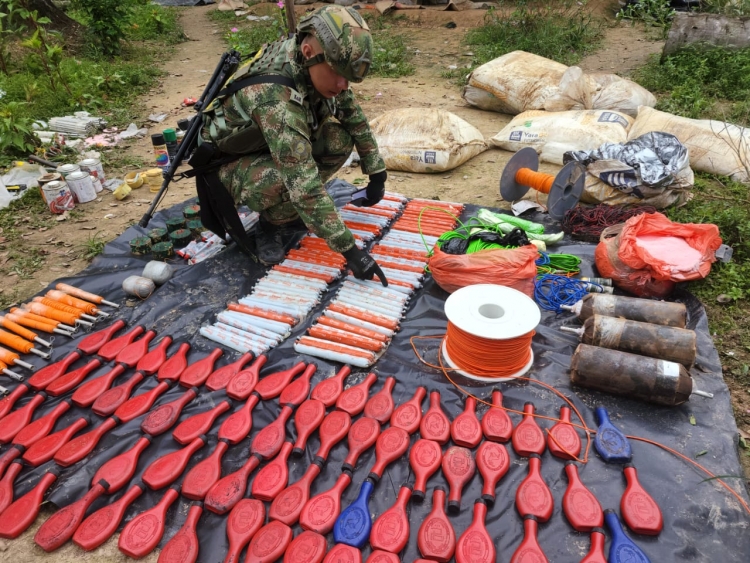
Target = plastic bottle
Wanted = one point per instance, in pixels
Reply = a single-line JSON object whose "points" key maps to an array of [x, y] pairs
{"points": [[170, 139], [161, 154]]}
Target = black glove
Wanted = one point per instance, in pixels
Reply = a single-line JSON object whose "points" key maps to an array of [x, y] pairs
{"points": [[363, 266], [373, 192]]}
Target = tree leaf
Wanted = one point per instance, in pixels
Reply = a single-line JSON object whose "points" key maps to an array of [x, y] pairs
{"points": [[692, 420]]}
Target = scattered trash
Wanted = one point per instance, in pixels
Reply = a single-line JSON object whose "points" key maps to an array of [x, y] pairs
{"points": [[258, 18], [157, 117], [132, 131], [189, 101]]}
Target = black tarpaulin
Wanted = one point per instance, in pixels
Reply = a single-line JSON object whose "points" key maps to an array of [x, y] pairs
{"points": [[702, 522]]}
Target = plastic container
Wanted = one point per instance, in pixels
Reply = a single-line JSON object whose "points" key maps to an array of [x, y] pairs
{"points": [[154, 179], [58, 196], [82, 186]]}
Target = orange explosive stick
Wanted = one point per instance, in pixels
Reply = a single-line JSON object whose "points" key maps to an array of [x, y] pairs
{"points": [[12, 358], [372, 318], [31, 320], [51, 313], [63, 307], [75, 292], [23, 332], [84, 306], [262, 313], [306, 273], [17, 343], [12, 374], [341, 325], [327, 333], [341, 349]]}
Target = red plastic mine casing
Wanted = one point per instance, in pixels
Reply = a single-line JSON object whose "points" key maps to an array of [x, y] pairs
{"points": [[190, 428], [529, 549], [533, 497], [120, 469], [638, 508], [21, 514], [435, 424], [173, 367], [133, 352], [493, 463], [100, 525], [579, 504], [268, 441], [269, 543], [83, 445], [49, 373], [6, 484], [390, 446], [596, 552], [380, 556], [307, 419], [164, 470], [109, 401], [475, 545], [246, 518], [46, 448], [8, 456], [563, 440], [320, 512], [153, 360], [273, 478], [436, 538], [221, 376], [110, 349], [236, 427], [496, 424], [197, 373], [242, 384], [409, 414], [353, 400], [59, 527], [140, 404], [309, 547], [329, 390], [9, 401], [362, 436], [183, 546], [42, 426], [70, 380], [342, 553], [465, 429], [458, 468], [425, 457], [288, 504], [390, 531], [380, 405], [93, 342], [272, 385], [90, 391], [332, 430], [163, 417], [228, 491], [143, 533], [297, 391], [13, 423], [204, 474], [527, 437]]}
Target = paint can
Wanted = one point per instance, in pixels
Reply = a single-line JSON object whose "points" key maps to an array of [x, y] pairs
{"points": [[94, 167], [82, 186], [66, 169], [46, 179], [58, 196]]}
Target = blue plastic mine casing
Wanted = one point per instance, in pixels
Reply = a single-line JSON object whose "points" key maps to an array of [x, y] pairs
{"points": [[610, 442], [622, 548], [353, 525]]}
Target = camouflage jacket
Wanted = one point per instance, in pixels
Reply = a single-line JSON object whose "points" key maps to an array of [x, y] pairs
{"points": [[289, 122]]}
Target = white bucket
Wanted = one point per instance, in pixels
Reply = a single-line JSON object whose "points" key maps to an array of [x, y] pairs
{"points": [[58, 197], [82, 186]]}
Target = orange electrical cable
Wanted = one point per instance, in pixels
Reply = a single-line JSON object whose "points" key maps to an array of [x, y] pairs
{"points": [[540, 181], [485, 357], [588, 431]]}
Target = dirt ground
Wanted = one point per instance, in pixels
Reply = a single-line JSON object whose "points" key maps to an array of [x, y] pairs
{"points": [[436, 49]]}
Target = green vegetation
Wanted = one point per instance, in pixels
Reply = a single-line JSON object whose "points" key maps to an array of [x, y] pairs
{"points": [[654, 13], [93, 247], [701, 83], [27, 211]]}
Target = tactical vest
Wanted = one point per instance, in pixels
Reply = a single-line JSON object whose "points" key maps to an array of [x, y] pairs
{"points": [[226, 124]]}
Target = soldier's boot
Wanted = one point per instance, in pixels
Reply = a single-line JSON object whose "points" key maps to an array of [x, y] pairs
{"points": [[268, 244]]}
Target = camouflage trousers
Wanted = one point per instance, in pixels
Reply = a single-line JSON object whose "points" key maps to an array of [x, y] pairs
{"points": [[254, 180]]}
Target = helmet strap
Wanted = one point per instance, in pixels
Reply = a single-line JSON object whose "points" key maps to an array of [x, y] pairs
{"points": [[316, 60]]}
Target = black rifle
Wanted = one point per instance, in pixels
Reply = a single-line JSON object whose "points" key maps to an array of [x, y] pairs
{"points": [[226, 67]]}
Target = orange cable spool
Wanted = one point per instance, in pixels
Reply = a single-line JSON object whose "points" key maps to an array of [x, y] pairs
{"points": [[489, 332]]}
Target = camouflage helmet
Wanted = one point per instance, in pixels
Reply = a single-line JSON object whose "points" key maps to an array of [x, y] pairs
{"points": [[345, 38]]}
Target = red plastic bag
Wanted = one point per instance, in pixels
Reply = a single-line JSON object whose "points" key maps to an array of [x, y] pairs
{"points": [[671, 251], [513, 267]]}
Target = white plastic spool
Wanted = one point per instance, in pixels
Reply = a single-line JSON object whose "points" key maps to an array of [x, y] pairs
{"points": [[493, 312]]}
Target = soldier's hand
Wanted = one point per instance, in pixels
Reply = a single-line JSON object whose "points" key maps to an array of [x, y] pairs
{"points": [[374, 191], [363, 266]]}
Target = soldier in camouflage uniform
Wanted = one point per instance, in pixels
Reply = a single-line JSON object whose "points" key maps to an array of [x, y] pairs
{"points": [[294, 139]]}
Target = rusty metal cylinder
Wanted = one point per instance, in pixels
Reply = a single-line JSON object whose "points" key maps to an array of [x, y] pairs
{"points": [[638, 377], [647, 339], [643, 310]]}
